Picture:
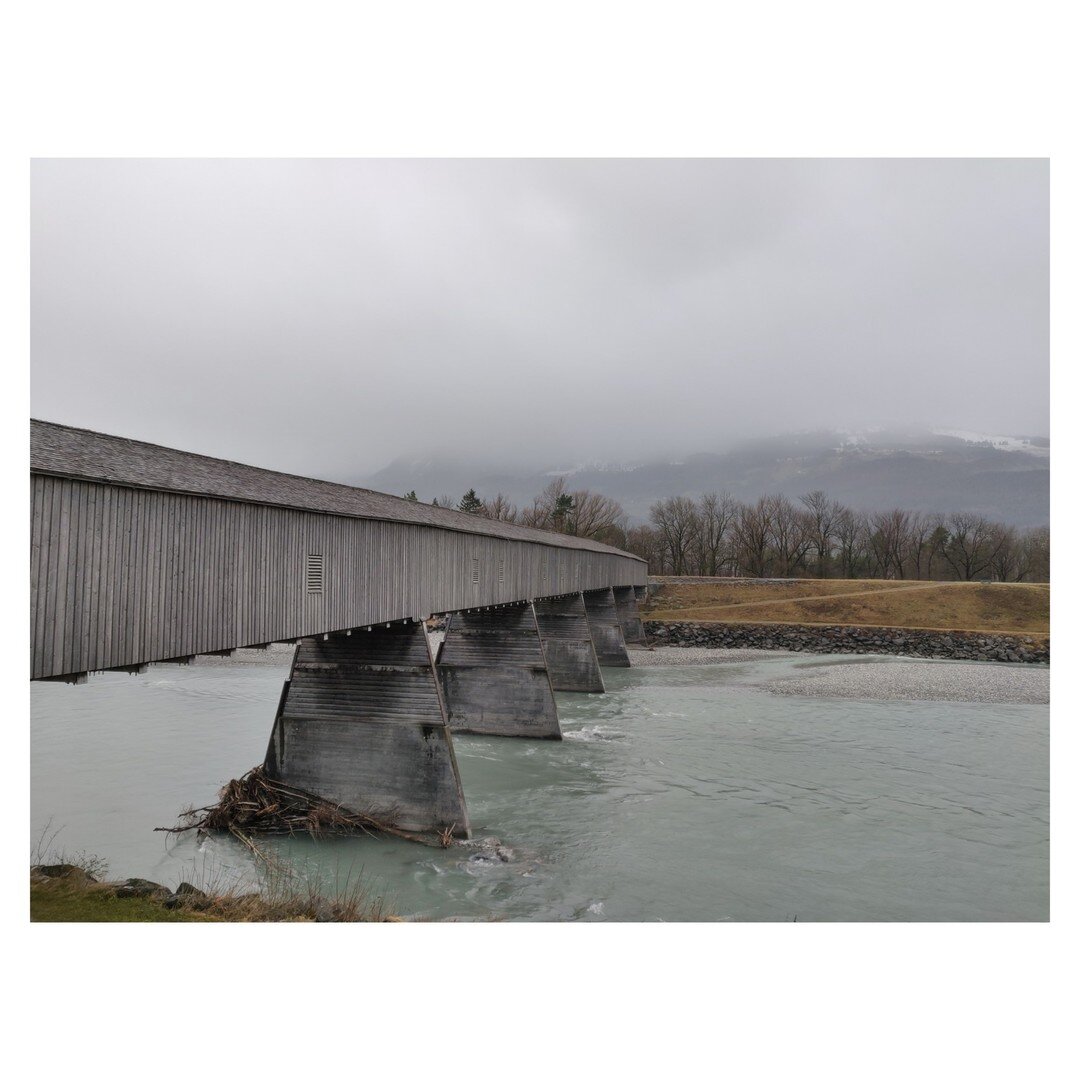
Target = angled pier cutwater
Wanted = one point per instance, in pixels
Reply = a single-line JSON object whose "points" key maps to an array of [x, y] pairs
{"points": [[626, 611], [568, 644], [493, 674], [606, 628], [142, 554], [361, 724]]}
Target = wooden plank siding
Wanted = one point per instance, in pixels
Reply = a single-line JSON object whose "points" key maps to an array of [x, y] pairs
{"points": [[141, 553], [123, 575]]}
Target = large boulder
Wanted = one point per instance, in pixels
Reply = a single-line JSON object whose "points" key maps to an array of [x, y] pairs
{"points": [[74, 874], [140, 887]]}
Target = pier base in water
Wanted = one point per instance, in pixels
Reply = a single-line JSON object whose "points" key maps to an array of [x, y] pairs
{"points": [[361, 723], [607, 634], [494, 677], [568, 644], [626, 611]]}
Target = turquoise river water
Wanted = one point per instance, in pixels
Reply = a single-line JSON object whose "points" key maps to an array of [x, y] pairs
{"points": [[684, 793]]}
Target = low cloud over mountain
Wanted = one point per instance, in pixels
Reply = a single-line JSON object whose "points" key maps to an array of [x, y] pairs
{"points": [[1004, 477]]}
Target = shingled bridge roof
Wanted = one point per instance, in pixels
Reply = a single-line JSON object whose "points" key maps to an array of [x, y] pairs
{"points": [[58, 450]]}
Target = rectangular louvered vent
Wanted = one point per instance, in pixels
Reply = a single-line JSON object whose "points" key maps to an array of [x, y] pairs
{"points": [[476, 571], [314, 573], [501, 563]]}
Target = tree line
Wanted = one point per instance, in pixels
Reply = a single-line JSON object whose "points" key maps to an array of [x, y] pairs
{"points": [[716, 535], [577, 513]]}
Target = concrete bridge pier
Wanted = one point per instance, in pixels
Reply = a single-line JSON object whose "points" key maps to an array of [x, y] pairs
{"points": [[607, 634], [568, 644], [493, 674], [361, 723], [627, 611]]}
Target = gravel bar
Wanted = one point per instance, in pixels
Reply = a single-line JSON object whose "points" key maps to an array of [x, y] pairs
{"points": [[923, 680], [694, 656], [873, 678], [276, 655]]}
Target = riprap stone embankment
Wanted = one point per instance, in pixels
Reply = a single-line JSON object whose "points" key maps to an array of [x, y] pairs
{"points": [[895, 641]]}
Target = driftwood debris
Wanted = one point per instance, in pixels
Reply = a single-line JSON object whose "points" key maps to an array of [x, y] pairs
{"points": [[255, 805]]}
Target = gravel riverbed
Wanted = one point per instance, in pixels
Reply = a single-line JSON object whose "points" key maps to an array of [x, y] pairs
{"points": [[878, 678], [694, 656], [923, 680]]}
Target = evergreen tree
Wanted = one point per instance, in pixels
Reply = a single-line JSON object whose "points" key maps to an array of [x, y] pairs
{"points": [[564, 506], [411, 496], [470, 503]]}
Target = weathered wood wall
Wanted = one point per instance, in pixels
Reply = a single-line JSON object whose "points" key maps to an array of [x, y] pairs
{"points": [[124, 575]]}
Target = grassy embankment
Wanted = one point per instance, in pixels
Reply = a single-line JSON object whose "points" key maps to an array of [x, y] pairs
{"points": [[66, 893], [922, 605], [63, 901]]}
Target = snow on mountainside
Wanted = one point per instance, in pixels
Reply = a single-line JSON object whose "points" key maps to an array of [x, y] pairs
{"points": [[592, 466], [1020, 444]]}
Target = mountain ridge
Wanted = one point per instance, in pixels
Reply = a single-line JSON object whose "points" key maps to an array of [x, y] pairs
{"points": [[1006, 478]]}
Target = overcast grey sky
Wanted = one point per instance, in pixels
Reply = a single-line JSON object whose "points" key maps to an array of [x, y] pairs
{"points": [[325, 317]]}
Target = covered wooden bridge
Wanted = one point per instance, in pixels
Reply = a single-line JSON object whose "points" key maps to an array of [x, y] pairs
{"points": [[144, 554]]}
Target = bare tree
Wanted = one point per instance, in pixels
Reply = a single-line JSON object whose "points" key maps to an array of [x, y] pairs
{"points": [[500, 508], [716, 513], [645, 542], [888, 537], [548, 508], [918, 544], [850, 531], [822, 514], [751, 530], [676, 520], [1036, 556], [972, 545], [787, 534], [1007, 563], [595, 516]]}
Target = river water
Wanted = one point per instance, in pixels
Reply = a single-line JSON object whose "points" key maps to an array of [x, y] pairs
{"points": [[684, 793]]}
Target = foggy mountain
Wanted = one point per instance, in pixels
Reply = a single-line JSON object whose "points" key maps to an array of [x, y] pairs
{"points": [[1007, 478]]}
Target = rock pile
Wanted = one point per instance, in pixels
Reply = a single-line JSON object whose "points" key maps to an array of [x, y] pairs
{"points": [[131, 887], [940, 644]]}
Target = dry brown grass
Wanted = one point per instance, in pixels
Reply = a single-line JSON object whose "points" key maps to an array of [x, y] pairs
{"points": [[724, 593], [994, 608]]}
